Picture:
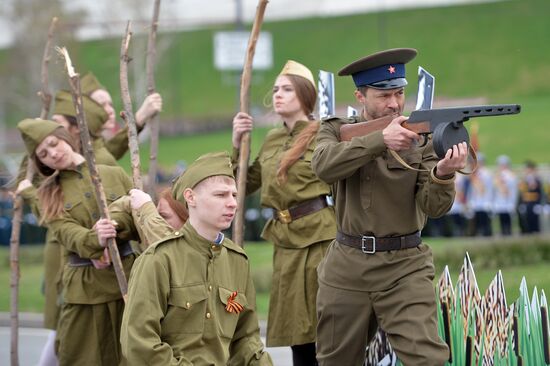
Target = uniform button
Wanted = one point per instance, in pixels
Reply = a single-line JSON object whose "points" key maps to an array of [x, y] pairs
{"points": [[176, 233], [87, 195], [188, 305], [208, 315], [213, 247], [209, 288], [95, 216]]}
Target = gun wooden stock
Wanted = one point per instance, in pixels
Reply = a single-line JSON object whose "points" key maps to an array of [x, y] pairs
{"points": [[348, 131]]}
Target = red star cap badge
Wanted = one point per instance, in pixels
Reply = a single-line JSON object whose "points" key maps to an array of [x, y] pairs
{"points": [[391, 69]]}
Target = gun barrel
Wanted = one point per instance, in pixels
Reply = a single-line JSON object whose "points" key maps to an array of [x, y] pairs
{"points": [[462, 114], [491, 110]]}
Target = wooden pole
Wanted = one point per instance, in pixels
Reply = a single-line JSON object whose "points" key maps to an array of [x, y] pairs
{"points": [[128, 115], [244, 148], [45, 94], [86, 143], [46, 98], [154, 123]]}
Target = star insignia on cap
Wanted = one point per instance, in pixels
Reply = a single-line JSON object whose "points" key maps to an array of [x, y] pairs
{"points": [[391, 70]]}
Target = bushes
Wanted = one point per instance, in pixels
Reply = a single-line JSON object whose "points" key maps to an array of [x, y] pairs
{"points": [[495, 253]]}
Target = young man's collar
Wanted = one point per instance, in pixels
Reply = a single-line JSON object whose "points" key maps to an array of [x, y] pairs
{"points": [[219, 238]]}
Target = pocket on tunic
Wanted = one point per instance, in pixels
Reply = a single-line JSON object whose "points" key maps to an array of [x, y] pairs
{"points": [[227, 322], [73, 206], [186, 310]]}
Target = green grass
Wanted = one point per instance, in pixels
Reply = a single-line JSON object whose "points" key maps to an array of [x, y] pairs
{"points": [[188, 148], [260, 254]]}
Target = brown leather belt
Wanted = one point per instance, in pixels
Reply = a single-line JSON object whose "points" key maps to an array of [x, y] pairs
{"points": [[300, 210], [370, 244], [124, 249]]}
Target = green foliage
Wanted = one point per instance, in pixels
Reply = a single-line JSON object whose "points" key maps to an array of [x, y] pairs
{"points": [[495, 253]]}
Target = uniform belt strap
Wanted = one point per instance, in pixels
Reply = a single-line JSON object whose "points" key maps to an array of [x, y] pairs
{"points": [[371, 244], [302, 209], [124, 249]]}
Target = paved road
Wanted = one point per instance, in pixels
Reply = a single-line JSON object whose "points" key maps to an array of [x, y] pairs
{"points": [[31, 341]]}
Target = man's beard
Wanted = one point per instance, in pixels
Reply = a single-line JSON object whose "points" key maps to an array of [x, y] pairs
{"points": [[387, 112]]}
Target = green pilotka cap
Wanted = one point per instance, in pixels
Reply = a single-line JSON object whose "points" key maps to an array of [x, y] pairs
{"points": [[208, 165], [94, 113], [89, 84], [34, 131]]}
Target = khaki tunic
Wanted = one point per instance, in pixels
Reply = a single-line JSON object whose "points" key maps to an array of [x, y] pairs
{"points": [[375, 195], [117, 145], [92, 299], [176, 315], [105, 154], [299, 245]]}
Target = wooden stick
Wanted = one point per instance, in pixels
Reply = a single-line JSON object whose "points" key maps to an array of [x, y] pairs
{"points": [[128, 115], [86, 143], [45, 94], [46, 98], [154, 123], [244, 148]]}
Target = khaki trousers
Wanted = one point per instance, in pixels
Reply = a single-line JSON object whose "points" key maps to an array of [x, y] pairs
{"points": [[394, 290]]}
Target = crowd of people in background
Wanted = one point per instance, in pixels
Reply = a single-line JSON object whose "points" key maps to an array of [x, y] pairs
{"points": [[498, 201]]}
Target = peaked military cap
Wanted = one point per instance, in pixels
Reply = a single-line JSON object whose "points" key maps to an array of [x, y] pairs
{"points": [[94, 113], [34, 131], [89, 84], [208, 165], [381, 70], [295, 68]]}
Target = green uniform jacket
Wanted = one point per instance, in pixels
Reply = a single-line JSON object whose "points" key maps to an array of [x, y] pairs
{"points": [[301, 186], [176, 315], [374, 194], [88, 285], [117, 145]]}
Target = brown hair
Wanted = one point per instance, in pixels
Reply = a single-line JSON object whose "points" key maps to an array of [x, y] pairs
{"points": [[179, 208], [50, 194], [307, 96]]}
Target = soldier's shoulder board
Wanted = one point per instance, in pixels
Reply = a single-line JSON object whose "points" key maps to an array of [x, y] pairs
{"points": [[234, 247], [331, 118], [162, 242]]}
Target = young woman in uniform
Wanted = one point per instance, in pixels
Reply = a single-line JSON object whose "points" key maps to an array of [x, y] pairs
{"points": [[303, 223], [89, 325]]}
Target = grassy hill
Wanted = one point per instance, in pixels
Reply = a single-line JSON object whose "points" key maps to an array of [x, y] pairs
{"points": [[494, 50]]}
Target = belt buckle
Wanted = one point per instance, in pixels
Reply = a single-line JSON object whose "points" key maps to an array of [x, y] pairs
{"points": [[364, 248], [284, 216]]}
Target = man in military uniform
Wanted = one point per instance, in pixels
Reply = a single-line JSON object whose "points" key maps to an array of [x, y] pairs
{"points": [[378, 272], [191, 299]]}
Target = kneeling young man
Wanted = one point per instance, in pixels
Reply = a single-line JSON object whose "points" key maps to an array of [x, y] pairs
{"points": [[191, 300]]}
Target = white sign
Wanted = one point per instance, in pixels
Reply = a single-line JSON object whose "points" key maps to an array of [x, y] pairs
{"points": [[230, 49]]}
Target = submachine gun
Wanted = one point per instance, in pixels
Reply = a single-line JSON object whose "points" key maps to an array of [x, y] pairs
{"points": [[446, 124]]}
